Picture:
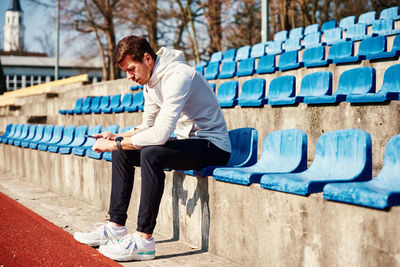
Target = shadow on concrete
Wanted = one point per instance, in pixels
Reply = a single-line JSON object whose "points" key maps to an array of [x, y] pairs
{"points": [[181, 254]]}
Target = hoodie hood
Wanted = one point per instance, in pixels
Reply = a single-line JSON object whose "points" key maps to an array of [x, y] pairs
{"points": [[166, 60]]}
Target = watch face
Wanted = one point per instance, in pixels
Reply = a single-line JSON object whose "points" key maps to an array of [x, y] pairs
{"points": [[119, 138]]}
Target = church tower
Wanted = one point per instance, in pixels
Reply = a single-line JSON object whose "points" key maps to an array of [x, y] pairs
{"points": [[14, 28]]}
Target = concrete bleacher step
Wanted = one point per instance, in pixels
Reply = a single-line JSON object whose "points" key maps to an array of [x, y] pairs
{"points": [[72, 215]]}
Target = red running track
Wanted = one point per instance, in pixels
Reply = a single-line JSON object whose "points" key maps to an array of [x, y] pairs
{"points": [[26, 239]]}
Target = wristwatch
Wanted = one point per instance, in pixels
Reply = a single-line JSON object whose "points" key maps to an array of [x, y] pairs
{"points": [[118, 141]]}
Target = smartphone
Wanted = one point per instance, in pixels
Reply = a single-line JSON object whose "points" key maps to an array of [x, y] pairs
{"points": [[91, 136]]}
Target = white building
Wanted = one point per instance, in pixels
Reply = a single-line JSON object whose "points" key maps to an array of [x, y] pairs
{"points": [[13, 28]]}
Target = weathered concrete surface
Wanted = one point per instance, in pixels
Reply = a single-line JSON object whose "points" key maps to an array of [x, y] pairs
{"points": [[249, 226]]}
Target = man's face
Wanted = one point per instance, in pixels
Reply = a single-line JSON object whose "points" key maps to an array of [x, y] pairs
{"points": [[139, 72]]}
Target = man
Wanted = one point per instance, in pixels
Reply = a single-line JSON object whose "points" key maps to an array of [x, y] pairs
{"points": [[177, 99]]}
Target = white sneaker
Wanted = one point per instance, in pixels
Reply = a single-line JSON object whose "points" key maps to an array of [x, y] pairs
{"points": [[130, 247], [103, 233]]}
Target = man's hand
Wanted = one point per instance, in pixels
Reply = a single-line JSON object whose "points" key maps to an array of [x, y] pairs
{"points": [[104, 145], [106, 135]]}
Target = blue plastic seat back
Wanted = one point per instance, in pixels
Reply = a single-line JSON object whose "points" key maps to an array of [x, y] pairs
{"points": [[17, 132], [7, 130], [229, 55], [79, 138], [367, 18], [48, 133], [227, 91], [228, 70], [391, 79], [356, 32], [115, 101], [105, 101], [296, 33], [200, 69], [359, 80], [216, 57], [341, 50], [253, 89], [138, 99], [258, 50], [343, 154], [87, 103], [311, 29], [288, 58], [10, 134], [39, 133], [382, 27], [32, 132], [292, 44], [127, 100], [57, 134], [281, 36], [390, 13], [112, 128], [68, 136], [314, 54], [332, 36], [316, 84], [282, 87], [372, 45], [246, 67], [266, 64], [396, 45], [134, 87], [274, 48], [92, 131], [312, 39], [346, 22], [331, 24], [78, 104], [213, 86], [243, 53], [389, 174], [212, 71], [95, 103], [243, 146], [24, 131], [126, 129]]}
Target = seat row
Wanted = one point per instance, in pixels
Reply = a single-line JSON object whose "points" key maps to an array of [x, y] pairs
{"points": [[311, 35], [341, 168], [355, 85], [373, 48], [106, 104], [58, 139]]}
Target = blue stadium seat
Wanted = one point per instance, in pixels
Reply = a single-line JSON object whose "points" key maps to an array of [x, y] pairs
{"points": [[314, 57], [16, 131], [78, 106], [315, 84], [212, 71], [296, 33], [347, 22], [81, 150], [293, 44], [134, 87], [228, 70], [367, 18], [3, 138], [357, 32], [227, 94], [396, 46], [126, 102], [200, 69], [252, 93], [383, 27], [67, 138], [108, 155], [274, 48], [390, 13], [374, 48], [340, 156], [311, 29], [94, 155], [22, 136], [229, 55], [57, 136], [312, 39], [359, 80], [332, 36], [289, 60], [342, 52], [266, 64], [38, 135], [258, 50], [213, 86], [382, 192], [283, 151], [114, 102], [31, 135], [243, 53], [331, 24], [47, 135], [79, 140], [7, 131], [87, 102], [104, 103], [390, 89], [243, 151], [94, 104], [282, 90], [137, 102], [216, 57], [246, 67], [281, 36]]}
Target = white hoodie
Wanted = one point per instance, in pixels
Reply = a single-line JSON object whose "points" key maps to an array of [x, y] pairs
{"points": [[179, 98]]}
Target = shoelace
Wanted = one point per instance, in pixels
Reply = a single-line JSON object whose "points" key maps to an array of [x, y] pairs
{"points": [[127, 242], [106, 234]]}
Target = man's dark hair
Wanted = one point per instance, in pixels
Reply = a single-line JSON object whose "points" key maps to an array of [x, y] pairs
{"points": [[134, 46]]}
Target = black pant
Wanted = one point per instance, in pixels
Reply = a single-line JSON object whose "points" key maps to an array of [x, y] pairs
{"points": [[175, 154]]}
